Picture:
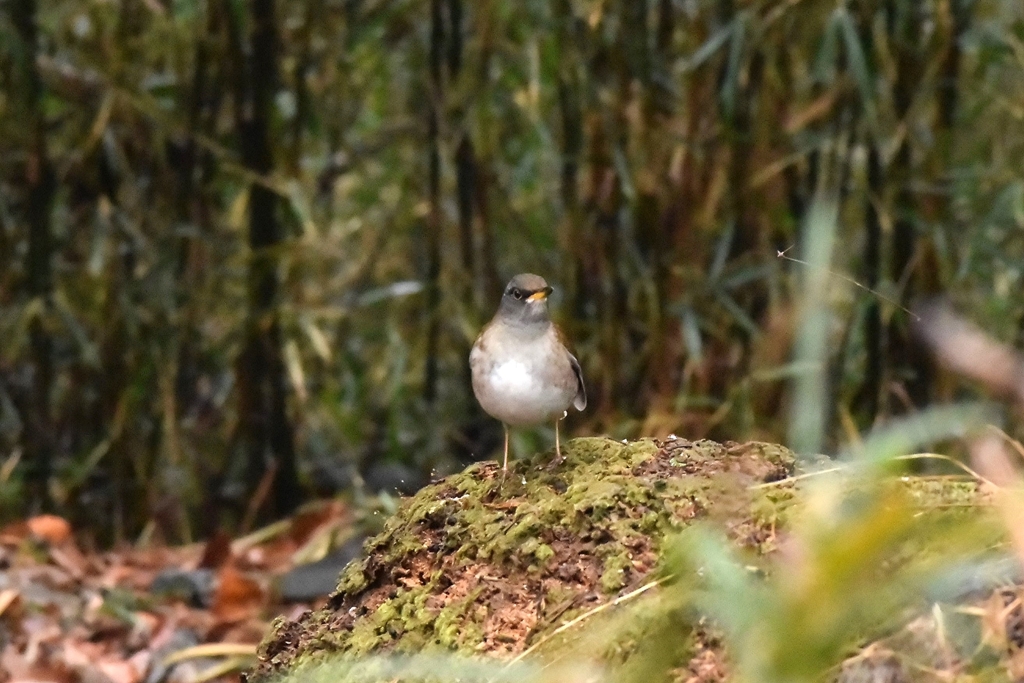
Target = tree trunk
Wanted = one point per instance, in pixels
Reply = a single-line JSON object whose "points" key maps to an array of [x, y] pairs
{"points": [[909, 360], [870, 389], [266, 428], [434, 199], [37, 436]]}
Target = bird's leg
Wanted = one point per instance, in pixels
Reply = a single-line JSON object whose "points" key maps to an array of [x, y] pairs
{"points": [[504, 467], [558, 449], [558, 446]]}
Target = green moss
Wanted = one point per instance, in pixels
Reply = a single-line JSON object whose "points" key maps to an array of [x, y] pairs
{"points": [[477, 542], [935, 492], [544, 553], [453, 625], [353, 578], [614, 576]]}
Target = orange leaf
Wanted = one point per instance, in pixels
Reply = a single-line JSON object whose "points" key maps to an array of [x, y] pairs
{"points": [[306, 522], [50, 528], [237, 596]]}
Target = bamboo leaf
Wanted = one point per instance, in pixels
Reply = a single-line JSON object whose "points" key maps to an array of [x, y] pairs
{"points": [[739, 316], [731, 82], [857, 61], [712, 45], [827, 56], [691, 334]]}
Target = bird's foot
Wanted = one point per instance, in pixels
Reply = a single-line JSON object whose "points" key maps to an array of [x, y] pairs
{"points": [[555, 461]]}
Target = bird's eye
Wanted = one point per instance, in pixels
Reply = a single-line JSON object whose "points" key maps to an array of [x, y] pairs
{"points": [[517, 294]]}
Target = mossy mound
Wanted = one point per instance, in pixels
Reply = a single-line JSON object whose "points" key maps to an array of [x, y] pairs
{"points": [[482, 562]]}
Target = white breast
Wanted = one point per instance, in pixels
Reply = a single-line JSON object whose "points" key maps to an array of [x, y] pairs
{"points": [[515, 390], [512, 377]]}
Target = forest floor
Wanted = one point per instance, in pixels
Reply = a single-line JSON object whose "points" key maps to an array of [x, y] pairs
{"points": [[147, 615], [514, 565]]}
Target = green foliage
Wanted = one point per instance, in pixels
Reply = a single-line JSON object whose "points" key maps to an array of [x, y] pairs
{"points": [[857, 566], [650, 158]]}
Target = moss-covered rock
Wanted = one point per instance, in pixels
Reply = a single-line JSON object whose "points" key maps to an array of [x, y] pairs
{"points": [[549, 561], [482, 562]]}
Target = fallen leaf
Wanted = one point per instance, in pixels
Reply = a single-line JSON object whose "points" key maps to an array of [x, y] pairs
{"points": [[309, 520], [50, 528], [250, 631], [68, 557], [7, 598], [119, 671], [217, 551], [237, 596]]}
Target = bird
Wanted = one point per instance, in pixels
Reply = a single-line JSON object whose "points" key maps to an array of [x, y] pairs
{"points": [[522, 371]]}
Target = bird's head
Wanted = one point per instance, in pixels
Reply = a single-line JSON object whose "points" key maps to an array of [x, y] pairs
{"points": [[525, 300]]}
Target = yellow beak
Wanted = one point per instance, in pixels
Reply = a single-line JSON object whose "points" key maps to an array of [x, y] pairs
{"points": [[540, 296]]}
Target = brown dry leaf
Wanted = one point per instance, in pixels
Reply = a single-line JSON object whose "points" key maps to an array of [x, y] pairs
{"points": [[71, 637], [217, 551], [309, 520], [68, 557], [115, 573], [167, 629], [237, 596], [119, 671], [817, 109], [7, 598], [250, 631], [92, 662], [141, 660], [272, 555], [29, 667], [968, 350], [77, 654], [40, 674], [13, 534], [41, 632]]}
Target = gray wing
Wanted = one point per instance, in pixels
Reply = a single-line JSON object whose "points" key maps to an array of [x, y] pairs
{"points": [[580, 401]]}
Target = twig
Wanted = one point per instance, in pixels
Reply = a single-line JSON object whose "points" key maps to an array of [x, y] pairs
{"points": [[261, 535], [232, 665], [840, 468], [805, 475], [211, 650], [954, 461], [1017, 446], [782, 255], [259, 496]]}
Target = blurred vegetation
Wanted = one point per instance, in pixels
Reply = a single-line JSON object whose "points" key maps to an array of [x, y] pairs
{"points": [[246, 246]]}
